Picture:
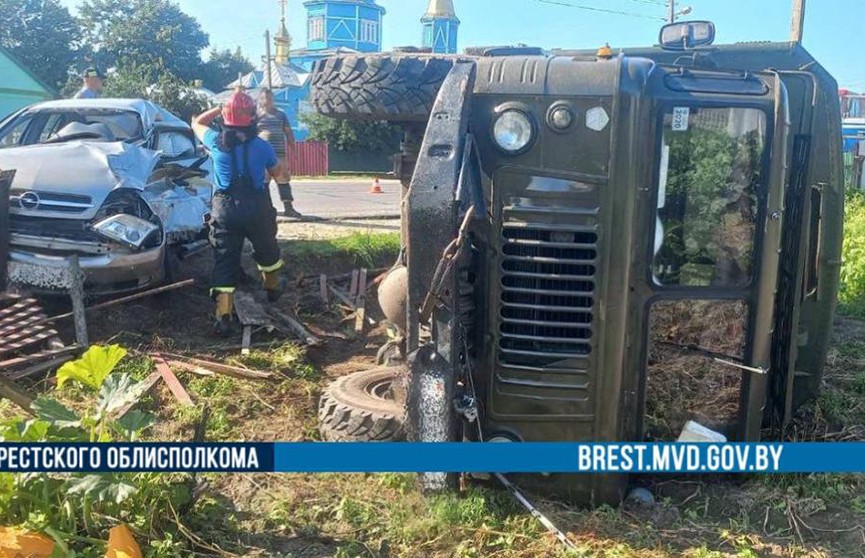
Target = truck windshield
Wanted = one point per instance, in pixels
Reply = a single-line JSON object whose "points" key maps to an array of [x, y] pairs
{"points": [[710, 173]]}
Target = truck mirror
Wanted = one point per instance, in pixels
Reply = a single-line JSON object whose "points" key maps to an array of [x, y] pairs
{"points": [[687, 35]]}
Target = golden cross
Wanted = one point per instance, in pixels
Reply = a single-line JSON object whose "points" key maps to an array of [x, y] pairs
{"points": [[282, 5]]}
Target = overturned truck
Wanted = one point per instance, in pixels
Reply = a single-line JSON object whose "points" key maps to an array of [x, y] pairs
{"points": [[600, 247]]}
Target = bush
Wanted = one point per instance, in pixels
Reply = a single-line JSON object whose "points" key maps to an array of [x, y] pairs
{"points": [[853, 267]]}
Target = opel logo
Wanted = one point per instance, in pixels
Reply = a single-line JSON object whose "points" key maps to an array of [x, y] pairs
{"points": [[29, 200]]}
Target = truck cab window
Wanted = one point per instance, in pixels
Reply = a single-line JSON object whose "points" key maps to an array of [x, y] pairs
{"points": [[710, 173]]}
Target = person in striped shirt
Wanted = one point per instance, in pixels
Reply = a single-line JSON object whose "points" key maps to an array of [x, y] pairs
{"points": [[275, 129]]}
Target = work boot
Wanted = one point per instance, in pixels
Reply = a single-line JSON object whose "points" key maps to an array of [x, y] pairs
{"points": [[224, 310], [274, 284], [291, 212], [288, 201]]}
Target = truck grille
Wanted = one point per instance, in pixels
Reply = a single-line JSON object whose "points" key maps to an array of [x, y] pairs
{"points": [[548, 294]]}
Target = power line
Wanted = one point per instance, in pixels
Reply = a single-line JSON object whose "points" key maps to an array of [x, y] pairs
{"points": [[651, 2], [601, 10]]}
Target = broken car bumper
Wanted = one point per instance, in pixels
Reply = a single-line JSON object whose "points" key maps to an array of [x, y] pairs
{"points": [[113, 271]]}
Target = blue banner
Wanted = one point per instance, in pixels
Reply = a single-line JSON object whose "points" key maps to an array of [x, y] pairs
{"points": [[314, 457]]}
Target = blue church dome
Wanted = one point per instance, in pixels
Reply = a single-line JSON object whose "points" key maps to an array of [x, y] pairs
{"points": [[354, 24], [440, 27]]}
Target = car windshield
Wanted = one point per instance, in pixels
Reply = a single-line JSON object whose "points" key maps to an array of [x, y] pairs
{"points": [[43, 126]]}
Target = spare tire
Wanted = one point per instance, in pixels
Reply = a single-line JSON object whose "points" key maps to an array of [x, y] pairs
{"points": [[364, 407], [400, 88]]}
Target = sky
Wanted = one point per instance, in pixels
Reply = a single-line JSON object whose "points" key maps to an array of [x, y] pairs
{"points": [[832, 27]]}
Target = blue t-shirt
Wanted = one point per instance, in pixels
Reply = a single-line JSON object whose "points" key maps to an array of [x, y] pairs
{"points": [[261, 157]]}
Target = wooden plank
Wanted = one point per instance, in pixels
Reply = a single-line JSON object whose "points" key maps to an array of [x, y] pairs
{"points": [[298, 328], [44, 355], [194, 369], [172, 382], [39, 368], [149, 382], [219, 367], [361, 303], [342, 296], [15, 394], [125, 299], [250, 312], [322, 288], [355, 278], [247, 340]]}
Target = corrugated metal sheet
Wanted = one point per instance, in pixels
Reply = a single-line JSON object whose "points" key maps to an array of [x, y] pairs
{"points": [[309, 158]]}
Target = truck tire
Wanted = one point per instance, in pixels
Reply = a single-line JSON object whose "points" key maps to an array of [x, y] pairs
{"points": [[363, 407], [400, 88]]}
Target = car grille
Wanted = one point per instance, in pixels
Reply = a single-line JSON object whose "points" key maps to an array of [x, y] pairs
{"points": [[47, 201], [547, 294], [49, 227]]}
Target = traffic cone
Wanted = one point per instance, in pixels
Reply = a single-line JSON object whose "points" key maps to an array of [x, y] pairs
{"points": [[376, 187]]}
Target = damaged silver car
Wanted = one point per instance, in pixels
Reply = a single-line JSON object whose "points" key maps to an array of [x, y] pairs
{"points": [[121, 183]]}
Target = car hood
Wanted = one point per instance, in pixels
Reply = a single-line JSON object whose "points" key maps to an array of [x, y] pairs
{"points": [[71, 180]]}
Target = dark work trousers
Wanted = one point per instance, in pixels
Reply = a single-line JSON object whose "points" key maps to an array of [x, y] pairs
{"points": [[235, 218]]}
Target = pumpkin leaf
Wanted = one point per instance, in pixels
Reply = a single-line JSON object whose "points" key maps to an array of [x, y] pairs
{"points": [[56, 413], [93, 367], [132, 423], [100, 488], [21, 431], [118, 392]]}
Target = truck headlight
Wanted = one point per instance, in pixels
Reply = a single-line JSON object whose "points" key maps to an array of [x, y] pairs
{"points": [[126, 229], [513, 131]]}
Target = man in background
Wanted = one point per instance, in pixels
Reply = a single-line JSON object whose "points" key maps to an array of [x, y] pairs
{"points": [[275, 129], [92, 88]]}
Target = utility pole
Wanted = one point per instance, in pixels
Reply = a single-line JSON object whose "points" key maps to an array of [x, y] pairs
{"points": [[268, 60], [672, 16], [798, 26]]}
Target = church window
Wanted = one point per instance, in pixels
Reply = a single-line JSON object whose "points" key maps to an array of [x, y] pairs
{"points": [[368, 31], [316, 29]]}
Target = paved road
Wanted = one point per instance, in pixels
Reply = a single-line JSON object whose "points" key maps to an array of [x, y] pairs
{"points": [[341, 199]]}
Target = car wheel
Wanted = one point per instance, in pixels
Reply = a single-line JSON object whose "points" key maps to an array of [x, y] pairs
{"points": [[363, 407]]}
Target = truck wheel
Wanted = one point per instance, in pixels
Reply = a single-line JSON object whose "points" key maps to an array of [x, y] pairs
{"points": [[395, 87], [363, 407]]}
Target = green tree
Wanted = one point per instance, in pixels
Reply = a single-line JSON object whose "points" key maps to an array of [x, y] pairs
{"points": [[222, 68], [155, 83], [353, 135], [144, 32], [42, 34]]}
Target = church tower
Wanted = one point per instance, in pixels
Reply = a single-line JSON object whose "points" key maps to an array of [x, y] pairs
{"points": [[440, 27], [354, 24], [282, 40]]}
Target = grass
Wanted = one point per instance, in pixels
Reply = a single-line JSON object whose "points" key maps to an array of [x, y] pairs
{"points": [[386, 516], [358, 248]]}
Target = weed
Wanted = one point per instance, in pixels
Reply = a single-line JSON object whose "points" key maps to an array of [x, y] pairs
{"points": [[361, 248]]}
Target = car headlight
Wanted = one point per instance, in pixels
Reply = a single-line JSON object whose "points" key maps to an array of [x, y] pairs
{"points": [[126, 229], [513, 131]]}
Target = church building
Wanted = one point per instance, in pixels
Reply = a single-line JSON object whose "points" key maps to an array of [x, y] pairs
{"points": [[336, 27]]}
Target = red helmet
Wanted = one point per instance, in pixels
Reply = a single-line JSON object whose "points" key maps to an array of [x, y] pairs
{"points": [[239, 111]]}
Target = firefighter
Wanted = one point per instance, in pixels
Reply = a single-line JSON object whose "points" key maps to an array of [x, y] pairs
{"points": [[243, 165]]}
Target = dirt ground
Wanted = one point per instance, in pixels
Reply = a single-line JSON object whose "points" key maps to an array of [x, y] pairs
{"points": [[384, 516]]}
